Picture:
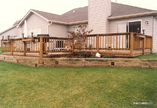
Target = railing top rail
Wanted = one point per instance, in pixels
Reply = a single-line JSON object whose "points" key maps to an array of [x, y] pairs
{"points": [[142, 34], [56, 37], [109, 34], [65, 38]]}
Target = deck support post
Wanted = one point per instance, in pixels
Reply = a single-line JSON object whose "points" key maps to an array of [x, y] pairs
{"points": [[151, 45], [12, 46], [25, 48], [72, 44], [72, 47], [97, 43], [131, 44], [1, 46], [41, 47], [143, 46]]}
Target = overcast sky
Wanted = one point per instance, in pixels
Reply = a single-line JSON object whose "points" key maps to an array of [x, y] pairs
{"points": [[12, 10]]}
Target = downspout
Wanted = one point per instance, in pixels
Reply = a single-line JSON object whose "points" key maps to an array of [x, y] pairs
{"points": [[50, 23]]}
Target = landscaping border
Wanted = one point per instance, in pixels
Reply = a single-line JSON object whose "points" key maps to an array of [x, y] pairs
{"points": [[81, 62]]}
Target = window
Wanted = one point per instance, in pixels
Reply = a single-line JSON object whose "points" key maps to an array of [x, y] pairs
{"points": [[135, 26]]}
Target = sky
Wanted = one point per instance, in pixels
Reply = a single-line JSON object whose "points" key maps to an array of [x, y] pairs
{"points": [[12, 10]]}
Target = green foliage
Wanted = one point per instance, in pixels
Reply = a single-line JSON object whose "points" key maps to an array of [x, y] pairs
{"points": [[65, 56], [106, 56], [93, 57], [0, 50], [33, 87]]}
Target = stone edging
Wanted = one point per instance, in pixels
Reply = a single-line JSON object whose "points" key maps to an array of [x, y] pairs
{"points": [[81, 62]]}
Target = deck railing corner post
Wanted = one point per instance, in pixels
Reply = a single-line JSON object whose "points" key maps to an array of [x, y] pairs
{"points": [[131, 43], [151, 45], [25, 46], [97, 43], [1, 46], [41, 47], [12, 46]]}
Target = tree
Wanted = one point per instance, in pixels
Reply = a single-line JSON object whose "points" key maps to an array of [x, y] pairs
{"points": [[79, 36]]}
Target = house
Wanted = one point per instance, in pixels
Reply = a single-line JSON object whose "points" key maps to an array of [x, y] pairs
{"points": [[103, 16]]}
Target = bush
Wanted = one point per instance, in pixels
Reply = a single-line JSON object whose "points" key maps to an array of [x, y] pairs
{"points": [[106, 56]]}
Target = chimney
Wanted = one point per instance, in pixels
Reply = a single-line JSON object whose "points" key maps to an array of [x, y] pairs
{"points": [[98, 12]]}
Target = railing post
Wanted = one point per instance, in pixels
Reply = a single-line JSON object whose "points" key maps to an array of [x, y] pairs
{"points": [[131, 44], [1, 46], [143, 45], [72, 47], [41, 47], [12, 46], [72, 44], [25, 46], [151, 45], [97, 43]]}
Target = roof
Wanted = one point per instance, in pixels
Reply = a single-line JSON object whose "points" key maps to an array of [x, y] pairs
{"points": [[121, 9], [81, 14], [16, 23]]}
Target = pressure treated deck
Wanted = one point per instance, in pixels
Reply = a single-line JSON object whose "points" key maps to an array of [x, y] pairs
{"points": [[113, 44]]}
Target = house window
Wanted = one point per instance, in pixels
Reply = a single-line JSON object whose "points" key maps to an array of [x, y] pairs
{"points": [[135, 26]]}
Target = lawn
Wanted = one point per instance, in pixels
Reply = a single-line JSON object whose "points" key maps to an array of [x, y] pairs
{"points": [[149, 56], [32, 87]]}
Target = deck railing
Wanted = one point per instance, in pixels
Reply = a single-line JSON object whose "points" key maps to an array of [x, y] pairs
{"points": [[116, 41], [113, 43]]}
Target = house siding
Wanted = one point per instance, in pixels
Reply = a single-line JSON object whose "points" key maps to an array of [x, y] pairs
{"points": [[36, 25], [58, 30], [12, 32], [98, 12], [72, 27], [155, 36], [148, 28]]}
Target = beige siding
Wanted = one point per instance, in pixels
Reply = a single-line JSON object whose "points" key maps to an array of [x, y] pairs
{"points": [[12, 32], [155, 36], [72, 27], [57, 30], [20, 32], [148, 28], [36, 25], [98, 12]]}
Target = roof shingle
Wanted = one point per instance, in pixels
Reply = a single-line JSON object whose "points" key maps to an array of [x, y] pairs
{"points": [[81, 14]]}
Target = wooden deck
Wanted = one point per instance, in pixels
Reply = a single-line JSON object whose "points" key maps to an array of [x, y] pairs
{"points": [[114, 44]]}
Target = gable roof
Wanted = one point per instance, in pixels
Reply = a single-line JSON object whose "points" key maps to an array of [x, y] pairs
{"points": [[81, 14], [121, 9]]}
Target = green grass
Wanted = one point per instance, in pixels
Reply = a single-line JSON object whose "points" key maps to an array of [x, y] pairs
{"points": [[149, 56], [30, 87]]}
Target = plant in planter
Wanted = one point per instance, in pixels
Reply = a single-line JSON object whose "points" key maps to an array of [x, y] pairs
{"points": [[79, 36]]}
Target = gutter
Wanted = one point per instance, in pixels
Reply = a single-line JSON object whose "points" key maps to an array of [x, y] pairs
{"points": [[133, 15], [67, 23]]}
